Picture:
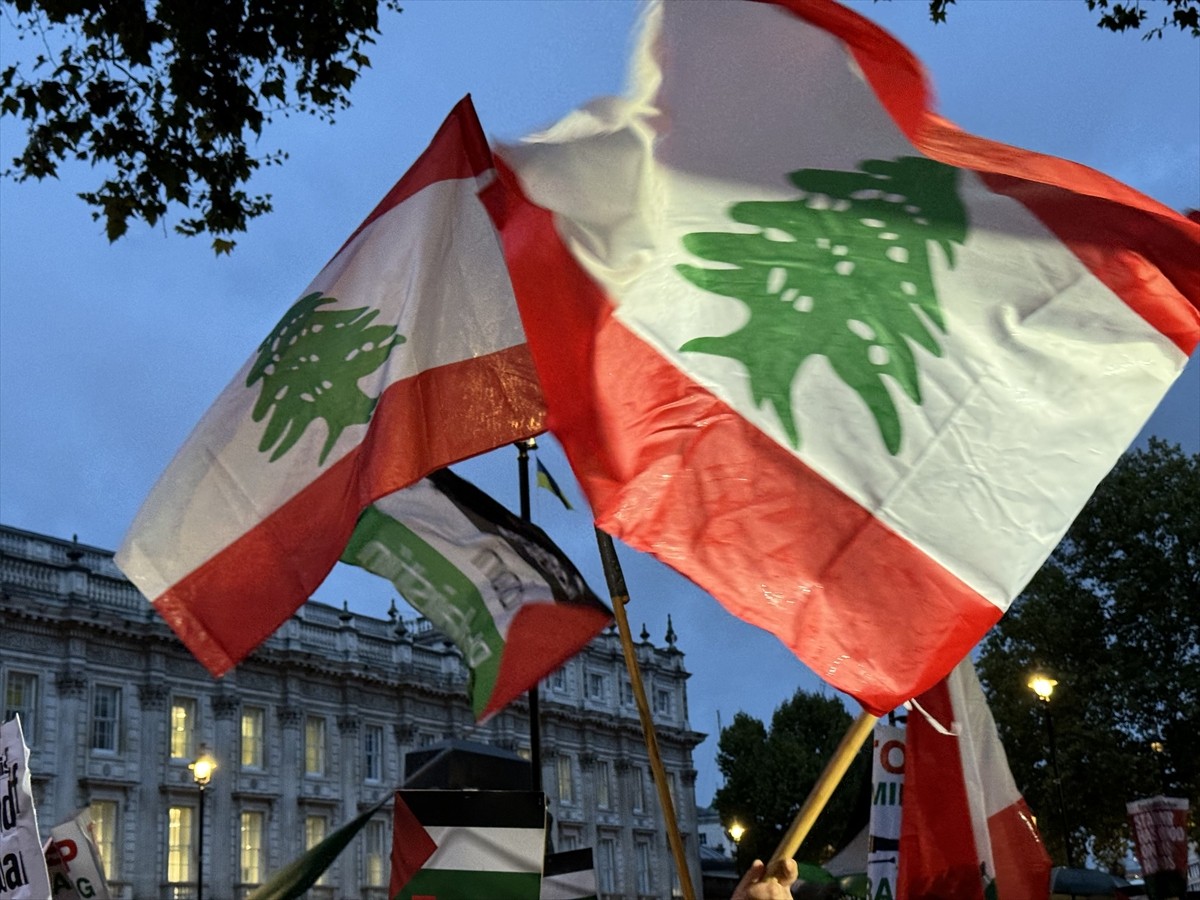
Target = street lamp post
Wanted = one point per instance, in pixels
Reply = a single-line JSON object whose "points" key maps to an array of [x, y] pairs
{"points": [[202, 770], [1043, 686]]}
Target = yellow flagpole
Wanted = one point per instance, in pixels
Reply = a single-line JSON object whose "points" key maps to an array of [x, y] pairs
{"points": [[620, 597], [835, 770]]}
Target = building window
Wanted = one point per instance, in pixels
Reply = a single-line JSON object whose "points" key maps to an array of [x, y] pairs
{"points": [[179, 844], [597, 686], [314, 833], [377, 852], [645, 874], [253, 718], [183, 728], [662, 702], [637, 786], [626, 694], [106, 718], [314, 746], [373, 753], [606, 865], [566, 779], [603, 772], [104, 832], [251, 853], [558, 680], [20, 699]]}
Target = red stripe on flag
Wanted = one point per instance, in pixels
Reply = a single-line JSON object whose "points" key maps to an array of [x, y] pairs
{"points": [[938, 856], [226, 607], [1013, 833], [541, 637], [411, 847], [679, 474], [1140, 249], [462, 153]]}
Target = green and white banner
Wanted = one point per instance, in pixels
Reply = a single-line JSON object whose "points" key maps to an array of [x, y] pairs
{"points": [[498, 587]]}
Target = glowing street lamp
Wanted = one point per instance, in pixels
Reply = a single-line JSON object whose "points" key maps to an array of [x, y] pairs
{"points": [[1043, 685], [202, 770], [735, 832]]}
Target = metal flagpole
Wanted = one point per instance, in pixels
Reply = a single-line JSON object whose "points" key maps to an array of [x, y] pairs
{"points": [[620, 597], [535, 713]]}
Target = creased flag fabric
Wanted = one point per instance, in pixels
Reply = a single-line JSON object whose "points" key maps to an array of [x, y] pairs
{"points": [[499, 587], [487, 844], [403, 355], [569, 875], [965, 831], [850, 369]]}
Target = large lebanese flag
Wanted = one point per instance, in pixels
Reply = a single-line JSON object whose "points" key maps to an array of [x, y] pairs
{"points": [[850, 369], [404, 354], [965, 831]]}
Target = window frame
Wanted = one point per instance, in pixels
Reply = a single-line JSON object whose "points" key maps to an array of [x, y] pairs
{"points": [[315, 746], [254, 743], [182, 728], [27, 709], [109, 722]]}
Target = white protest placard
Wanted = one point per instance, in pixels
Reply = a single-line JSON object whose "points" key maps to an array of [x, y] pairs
{"points": [[22, 865], [73, 860]]}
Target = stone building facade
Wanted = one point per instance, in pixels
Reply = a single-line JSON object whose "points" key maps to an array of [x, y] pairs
{"points": [[310, 730]]}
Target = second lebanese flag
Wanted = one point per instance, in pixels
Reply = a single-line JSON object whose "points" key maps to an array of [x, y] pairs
{"points": [[403, 355], [965, 833], [852, 370]]}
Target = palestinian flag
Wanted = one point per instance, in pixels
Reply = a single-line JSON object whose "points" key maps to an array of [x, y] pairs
{"points": [[488, 844], [849, 368], [570, 875], [403, 355], [497, 586]]}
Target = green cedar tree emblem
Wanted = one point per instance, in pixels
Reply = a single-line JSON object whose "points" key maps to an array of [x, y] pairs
{"points": [[309, 367], [843, 272]]}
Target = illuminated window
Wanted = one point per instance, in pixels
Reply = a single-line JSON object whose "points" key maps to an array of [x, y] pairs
{"points": [[252, 737], [179, 844], [566, 779], [183, 727], [314, 833], [314, 746], [377, 852], [104, 832], [251, 853]]}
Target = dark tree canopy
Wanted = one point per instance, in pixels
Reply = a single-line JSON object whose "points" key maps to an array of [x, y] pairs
{"points": [[1114, 616], [770, 771], [1131, 16], [170, 96]]}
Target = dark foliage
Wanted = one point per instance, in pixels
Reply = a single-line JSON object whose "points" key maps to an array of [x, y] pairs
{"points": [[770, 772], [169, 98], [1114, 616]]}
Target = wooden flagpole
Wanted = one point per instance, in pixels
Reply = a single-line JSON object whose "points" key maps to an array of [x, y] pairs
{"points": [[620, 597], [535, 711], [855, 736]]}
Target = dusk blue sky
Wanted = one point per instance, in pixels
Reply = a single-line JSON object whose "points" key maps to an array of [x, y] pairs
{"points": [[109, 354]]}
